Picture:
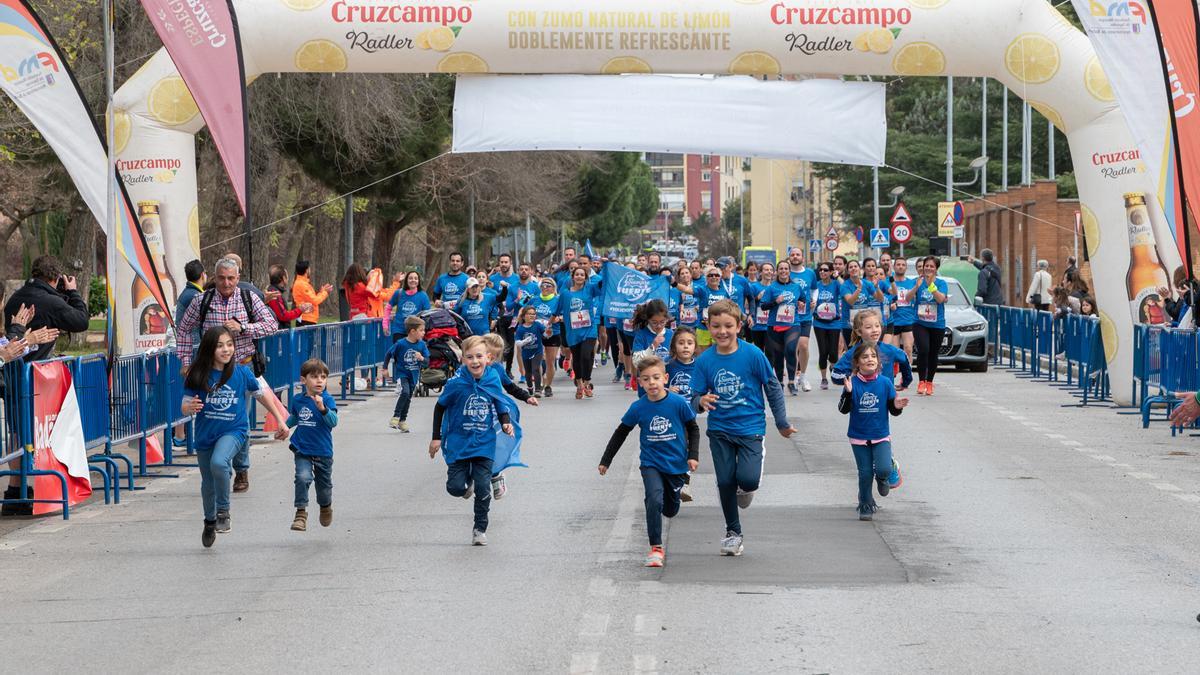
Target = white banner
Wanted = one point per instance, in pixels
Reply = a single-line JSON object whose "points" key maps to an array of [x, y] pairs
{"points": [[815, 120]]}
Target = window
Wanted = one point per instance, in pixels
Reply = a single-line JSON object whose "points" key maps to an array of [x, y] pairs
{"points": [[667, 176], [706, 176], [705, 160], [706, 200]]}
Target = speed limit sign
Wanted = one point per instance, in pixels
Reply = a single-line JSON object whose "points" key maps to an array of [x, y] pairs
{"points": [[901, 233], [831, 244]]}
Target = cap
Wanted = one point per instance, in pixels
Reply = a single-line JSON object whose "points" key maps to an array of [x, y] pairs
{"points": [[725, 261], [472, 282]]}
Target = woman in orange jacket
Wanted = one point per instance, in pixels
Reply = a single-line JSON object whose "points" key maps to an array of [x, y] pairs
{"points": [[304, 293]]}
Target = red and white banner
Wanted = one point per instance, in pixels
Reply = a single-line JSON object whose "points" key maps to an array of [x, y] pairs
{"points": [[202, 38], [58, 442]]}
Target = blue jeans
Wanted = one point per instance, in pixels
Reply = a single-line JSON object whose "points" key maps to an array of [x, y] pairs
{"points": [[738, 463], [662, 499], [215, 472], [405, 397], [477, 470], [306, 468], [874, 461], [241, 461]]}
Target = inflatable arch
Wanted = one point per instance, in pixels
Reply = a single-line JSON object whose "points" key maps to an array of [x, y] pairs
{"points": [[1025, 44]]}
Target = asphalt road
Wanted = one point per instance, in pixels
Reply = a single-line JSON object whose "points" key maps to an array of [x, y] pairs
{"points": [[1027, 537]]}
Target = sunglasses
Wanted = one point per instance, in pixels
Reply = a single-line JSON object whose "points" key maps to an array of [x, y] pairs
{"points": [[714, 276]]}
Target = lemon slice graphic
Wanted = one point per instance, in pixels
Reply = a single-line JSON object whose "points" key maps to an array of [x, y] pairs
{"points": [[1097, 82], [919, 58], [1091, 230], [927, 4], [1050, 114], [1032, 58], [441, 39], [122, 129], [171, 103], [194, 228], [755, 63], [462, 62], [303, 5], [320, 56], [626, 64], [880, 40], [1108, 333]]}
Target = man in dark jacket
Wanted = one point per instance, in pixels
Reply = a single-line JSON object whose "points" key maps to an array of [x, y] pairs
{"points": [[990, 288], [53, 308]]}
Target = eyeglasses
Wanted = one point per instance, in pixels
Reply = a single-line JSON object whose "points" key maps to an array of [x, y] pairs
{"points": [[714, 276]]}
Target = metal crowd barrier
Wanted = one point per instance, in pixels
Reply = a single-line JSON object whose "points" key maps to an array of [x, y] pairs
{"points": [[1165, 365], [1066, 351], [140, 397]]}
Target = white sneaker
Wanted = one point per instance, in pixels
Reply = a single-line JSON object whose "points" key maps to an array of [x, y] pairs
{"points": [[478, 538], [744, 498], [804, 383], [731, 544], [403, 427], [395, 423], [499, 488]]}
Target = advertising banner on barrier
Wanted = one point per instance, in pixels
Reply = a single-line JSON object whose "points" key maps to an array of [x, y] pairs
{"points": [[625, 289], [58, 442], [202, 38], [35, 75], [843, 122]]}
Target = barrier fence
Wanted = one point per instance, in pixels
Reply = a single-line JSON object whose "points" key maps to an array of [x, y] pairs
{"points": [[137, 402]]}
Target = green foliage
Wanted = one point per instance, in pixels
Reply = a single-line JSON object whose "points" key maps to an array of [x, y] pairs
{"points": [[731, 213], [616, 195], [97, 299]]}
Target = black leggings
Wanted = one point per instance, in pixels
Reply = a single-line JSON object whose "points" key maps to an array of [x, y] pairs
{"points": [[533, 370], [929, 344], [827, 346], [781, 352], [505, 329], [583, 357], [760, 339], [614, 344]]}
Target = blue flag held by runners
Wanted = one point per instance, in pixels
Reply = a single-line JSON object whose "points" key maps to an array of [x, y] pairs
{"points": [[587, 249], [625, 289]]}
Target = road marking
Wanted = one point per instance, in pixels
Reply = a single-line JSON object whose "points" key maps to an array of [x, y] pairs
{"points": [[1120, 465], [645, 663], [646, 625], [1055, 436], [602, 587], [1071, 443], [1166, 487], [582, 664], [1188, 497], [84, 515], [1142, 476], [50, 527], [1103, 458], [593, 625], [1037, 428], [11, 545], [1018, 417]]}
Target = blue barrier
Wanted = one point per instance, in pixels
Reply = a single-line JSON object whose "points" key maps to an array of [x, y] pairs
{"points": [[141, 395]]}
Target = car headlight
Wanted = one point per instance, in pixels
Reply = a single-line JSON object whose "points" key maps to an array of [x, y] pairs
{"points": [[971, 328]]}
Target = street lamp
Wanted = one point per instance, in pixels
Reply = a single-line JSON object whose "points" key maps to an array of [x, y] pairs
{"points": [[977, 165]]}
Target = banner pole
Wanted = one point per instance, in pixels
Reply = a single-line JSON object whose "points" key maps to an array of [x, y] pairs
{"points": [[110, 240]]}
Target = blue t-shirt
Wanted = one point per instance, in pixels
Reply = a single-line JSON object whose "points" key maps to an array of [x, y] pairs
{"points": [[469, 422], [806, 279], [866, 300], [406, 305], [519, 294], [225, 411], [930, 312], [707, 297], [663, 427], [905, 313], [403, 355], [889, 357], [827, 305], [869, 409], [786, 300], [762, 317], [547, 309], [313, 436], [687, 308], [644, 337], [578, 311], [679, 376], [739, 380], [450, 287], [477, 312], [537, 329], [513, 279]]}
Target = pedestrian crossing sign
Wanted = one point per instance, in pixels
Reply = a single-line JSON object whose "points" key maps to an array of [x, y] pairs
{"points": [[880, 238]]}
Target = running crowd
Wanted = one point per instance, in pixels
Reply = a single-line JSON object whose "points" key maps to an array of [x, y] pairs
{"points": [[725, 342]]}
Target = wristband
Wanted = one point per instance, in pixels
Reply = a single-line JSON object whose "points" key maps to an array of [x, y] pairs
{"points": [[1196, 396]]}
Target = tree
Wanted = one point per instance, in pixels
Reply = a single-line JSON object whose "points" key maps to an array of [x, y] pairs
{"points": [[616, 196]]}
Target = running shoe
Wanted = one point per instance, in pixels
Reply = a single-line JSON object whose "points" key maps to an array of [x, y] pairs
{"points": [[628, 385], [470, 491], [404, 427], [209, 536], [548, 392], [616, 376], [588, 390], [522, 380], [882, 485], [223, 524], [929, 388], [499, 487], [744, 498], [326, 516], [731, 544], [824, 383], [537, 393], [792, 388], [805, 385], [896, 479], [685, 493], [579, 391], [478, 538], [395, 423], [300, 520], [866, 511], [921, 388], [655, 557], [604, 358]]}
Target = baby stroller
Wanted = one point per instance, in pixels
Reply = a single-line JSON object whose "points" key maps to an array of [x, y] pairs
{"points": [[444, 333]]}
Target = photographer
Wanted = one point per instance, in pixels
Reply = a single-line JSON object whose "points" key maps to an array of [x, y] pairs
{"points": [[56, 303]]}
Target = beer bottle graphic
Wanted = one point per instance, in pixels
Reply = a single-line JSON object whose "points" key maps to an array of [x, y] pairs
{"points": [[1146, 272], [152, 321]]}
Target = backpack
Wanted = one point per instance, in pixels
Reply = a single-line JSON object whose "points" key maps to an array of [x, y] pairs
{"points": [[258, 363]]}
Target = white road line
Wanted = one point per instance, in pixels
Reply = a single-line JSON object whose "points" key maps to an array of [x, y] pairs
{"points": [[601, 587], [1071, 443], [50, 527], [593, 625], [646, 625], [645, 663], [1055, 436], [1142, 476], [1188, 497], [1103, 458], [1166, 487], [584, 663], [84, 515], [1120, 465], [11, 545], [1018, 417]]}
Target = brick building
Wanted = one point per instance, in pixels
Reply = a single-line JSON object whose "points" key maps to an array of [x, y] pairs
{"points": [[1026, 224]]}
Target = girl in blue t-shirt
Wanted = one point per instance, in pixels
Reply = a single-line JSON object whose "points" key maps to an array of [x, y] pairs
{"points": [[827, 319], [650, 333], [215, 389], [929, 296], [857, 294], [869, 399], [670, 444], [577, 313], [782, 301], [530, 338], [761, 326]]}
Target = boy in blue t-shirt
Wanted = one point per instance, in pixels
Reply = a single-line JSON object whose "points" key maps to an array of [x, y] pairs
{"points": [[313, 415], [407, 356], [670, 443]]}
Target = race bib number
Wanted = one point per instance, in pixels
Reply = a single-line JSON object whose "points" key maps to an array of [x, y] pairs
{"points": [[581, 319], [902, 299], [762, 317], [687, 315], [786, 314], [927, 312], [705, 315], [801, 307], [628, 325], [827, 311]]}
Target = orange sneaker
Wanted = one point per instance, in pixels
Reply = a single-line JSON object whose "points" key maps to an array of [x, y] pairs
{"points": [[655, 557], [929, 389], [921, 388]]}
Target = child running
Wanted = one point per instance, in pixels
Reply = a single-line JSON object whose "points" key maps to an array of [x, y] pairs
{"points": [[869, 399], [729, 384], [215, 388], [407, 355], [495, 346], [670, 445], [651, 335], [313, 416], [465, 417], [679, 379], [530, 337]]}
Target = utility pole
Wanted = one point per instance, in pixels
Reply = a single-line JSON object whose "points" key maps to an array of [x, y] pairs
{"points": [[348, 231], [983, 142], [949, 151], [875, 210], [528, 239], [471, 229], [1004, 142], [1026, 133], [1050, 148]]}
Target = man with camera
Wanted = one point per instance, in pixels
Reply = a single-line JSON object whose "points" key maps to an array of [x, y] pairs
{"points": [[55, 301]]}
